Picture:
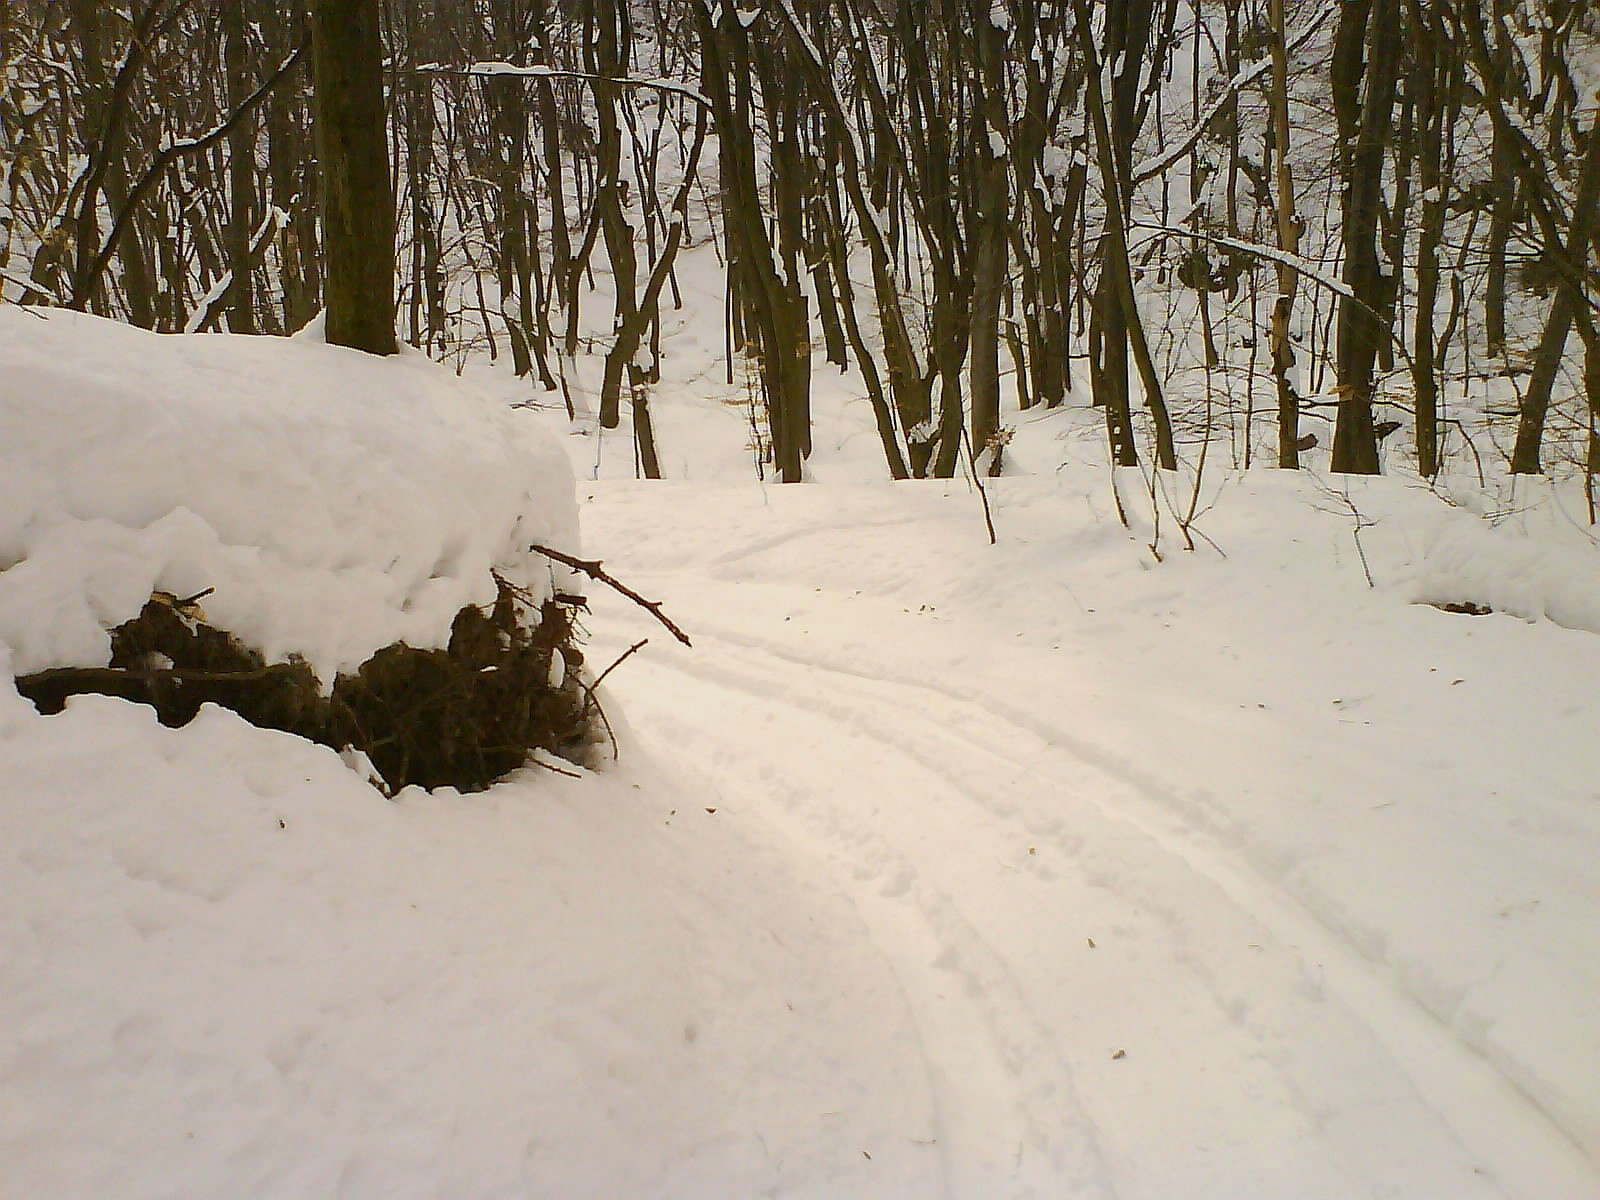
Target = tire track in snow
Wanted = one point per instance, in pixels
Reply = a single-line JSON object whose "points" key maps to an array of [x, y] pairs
{"points": [[965, 750]]}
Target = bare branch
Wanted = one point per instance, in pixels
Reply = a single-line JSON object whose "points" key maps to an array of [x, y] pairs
{"points": [[594, 571], [1152, 167], [501, 70], [170, 154]]}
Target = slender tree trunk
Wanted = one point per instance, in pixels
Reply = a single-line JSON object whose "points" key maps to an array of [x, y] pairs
{"points": [[1437, 106], [907, 385], [1289, 226], [726, 79], [990, 142], [1113, 143], [1502, 220], [242, 205], [1571, 296]]}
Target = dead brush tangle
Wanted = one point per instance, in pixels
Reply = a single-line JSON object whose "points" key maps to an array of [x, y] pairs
{"points": [[506, 685]]}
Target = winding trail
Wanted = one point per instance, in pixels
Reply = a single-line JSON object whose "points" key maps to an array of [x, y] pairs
{"points": [[1114, 997]]}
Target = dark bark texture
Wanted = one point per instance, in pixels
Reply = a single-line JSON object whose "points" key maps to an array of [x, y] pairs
{"points": [[357, 197]]}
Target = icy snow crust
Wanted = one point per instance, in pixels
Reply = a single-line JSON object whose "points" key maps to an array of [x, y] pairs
{"points": [[336, 502]]}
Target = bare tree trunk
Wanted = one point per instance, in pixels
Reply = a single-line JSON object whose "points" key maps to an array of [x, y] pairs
{"points": [[1363, 102], [1571, 296], [907, 386], [427, 318], [989, 140], [1437, 97], [357, 201], [110, 115], [1125, 45], [726, 79], [1501, 221], [242, 205], [1289, 226]]}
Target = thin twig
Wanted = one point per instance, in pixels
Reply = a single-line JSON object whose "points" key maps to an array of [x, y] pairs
{"points": [[589, 698], [1355, 533], [621, 658], [594, 571], [535, 760], [972, 462]]}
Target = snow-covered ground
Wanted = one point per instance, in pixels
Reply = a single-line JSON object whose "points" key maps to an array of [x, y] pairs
{"points": [[1057, 868]]}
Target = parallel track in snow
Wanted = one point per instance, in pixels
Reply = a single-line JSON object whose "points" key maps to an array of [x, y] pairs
{"points": [[1085, 960]]}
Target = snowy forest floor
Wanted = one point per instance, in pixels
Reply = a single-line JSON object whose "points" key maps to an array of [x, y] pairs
{"points": [[934, 868], [1219, 877]]}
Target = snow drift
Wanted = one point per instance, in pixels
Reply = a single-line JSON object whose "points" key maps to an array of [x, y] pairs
{"points": [[336, 502]]}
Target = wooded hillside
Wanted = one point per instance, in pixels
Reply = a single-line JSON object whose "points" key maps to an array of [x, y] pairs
{"points": [[1340, 215]]}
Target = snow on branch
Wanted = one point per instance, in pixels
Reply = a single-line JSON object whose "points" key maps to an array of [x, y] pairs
{"points": [[1152, 167], [169, 154], [210, 307], [1304, 266], [1295, 262], [505, 70]]}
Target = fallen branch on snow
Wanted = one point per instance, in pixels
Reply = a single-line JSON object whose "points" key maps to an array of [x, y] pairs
{"points": [[594, 571]]}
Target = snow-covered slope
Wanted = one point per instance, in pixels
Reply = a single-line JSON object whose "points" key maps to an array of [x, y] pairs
{"points": [[1046, 869]]}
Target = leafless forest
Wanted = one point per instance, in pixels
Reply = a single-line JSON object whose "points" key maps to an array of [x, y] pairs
{"points": [[1322, 218]]}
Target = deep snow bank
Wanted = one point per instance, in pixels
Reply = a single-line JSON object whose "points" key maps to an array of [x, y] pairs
{"points": [[335, 501], [1465, 558]]}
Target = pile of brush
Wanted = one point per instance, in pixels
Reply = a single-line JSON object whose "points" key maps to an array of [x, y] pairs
{"points": [[505, 687]]}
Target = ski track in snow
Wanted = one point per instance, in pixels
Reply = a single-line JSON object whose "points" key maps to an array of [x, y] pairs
{"points": [[1074, 878], [1080, 867]]}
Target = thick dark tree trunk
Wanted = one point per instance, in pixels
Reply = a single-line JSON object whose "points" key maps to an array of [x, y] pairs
{"points": [[357, 198], [1364, 109]]}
